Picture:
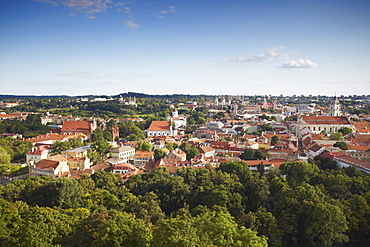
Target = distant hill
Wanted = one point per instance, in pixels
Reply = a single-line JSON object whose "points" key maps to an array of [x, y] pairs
{"points": [[128, 94]]}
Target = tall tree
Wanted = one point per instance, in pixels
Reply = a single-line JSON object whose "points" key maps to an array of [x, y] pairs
{"points": [[298, 172], [275, 139]]}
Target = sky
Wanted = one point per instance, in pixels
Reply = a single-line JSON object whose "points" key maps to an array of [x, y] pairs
{"points": [[213, 47]]}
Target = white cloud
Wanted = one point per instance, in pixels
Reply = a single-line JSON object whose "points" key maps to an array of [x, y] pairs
{"points": [[267, 54], [172, 9], [92, 7], [299, 64], [161, 14], [130, 24], [127, 10], [83, 6]]}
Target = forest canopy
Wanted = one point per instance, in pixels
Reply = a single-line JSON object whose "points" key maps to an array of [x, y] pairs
{"points": [[300, 205]]}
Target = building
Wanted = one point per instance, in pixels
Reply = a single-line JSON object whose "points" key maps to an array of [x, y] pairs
{"points": [[126, 153], [177, 154], [49, 167], [79, 152], [126, 170], [39, 153], [207, 151], [178, 120], [160, 128], [77, 127], [346, 161], [334, 108], [143, 157], [318, 124]]}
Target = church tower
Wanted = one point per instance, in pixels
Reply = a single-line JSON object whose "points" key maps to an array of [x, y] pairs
{"points": [[334, 108], [175, 113]]}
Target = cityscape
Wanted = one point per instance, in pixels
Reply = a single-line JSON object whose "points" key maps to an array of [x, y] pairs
{"points": [[168, 123], [133, 160]]}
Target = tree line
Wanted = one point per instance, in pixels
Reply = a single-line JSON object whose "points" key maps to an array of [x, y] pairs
{"points": [[302, 204]]}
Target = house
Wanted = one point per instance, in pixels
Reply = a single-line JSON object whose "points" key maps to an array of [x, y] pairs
{"points": [[315, 150], [160, 128], [142, 157], [49, 167], [39, 153], [126, 153], [207, 151], [79, 162], [205, 133], [254, 164], [177, 154], [126, 170], [362, 128], [178, 120], [286, 152], [13, 135], [79, 152], [77, 127], [50, 138], [346, 161], [159, 144]]}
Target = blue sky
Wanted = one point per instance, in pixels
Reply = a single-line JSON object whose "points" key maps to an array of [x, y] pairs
{"points": [[235, 47]]}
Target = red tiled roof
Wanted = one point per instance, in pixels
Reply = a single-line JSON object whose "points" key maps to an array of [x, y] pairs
{"points": [[159, 126], [362, 127], [76, 126], [206, 149], [362, 138], [47, 164], [354, 162], [358, 147], [325, 120]]}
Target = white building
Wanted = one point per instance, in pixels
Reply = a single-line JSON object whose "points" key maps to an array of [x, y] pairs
{"points": [[160, 128], [334, 108], [126, 153], [178, 120]]}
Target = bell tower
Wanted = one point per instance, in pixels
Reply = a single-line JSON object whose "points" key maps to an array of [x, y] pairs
{"points": [[334, 108]]}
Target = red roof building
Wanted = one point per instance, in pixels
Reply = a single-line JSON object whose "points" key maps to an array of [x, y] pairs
{"points": [[76, 127]]}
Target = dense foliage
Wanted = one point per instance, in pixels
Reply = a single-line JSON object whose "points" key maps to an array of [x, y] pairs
{"points": [[300, 205], [29, 128]]}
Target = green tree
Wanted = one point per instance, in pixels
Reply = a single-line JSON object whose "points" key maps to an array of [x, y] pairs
{"points": [[75, 142], [4, 157], [102, 147], [59, 147], [298, 172], [64, 193], [146, 207], [345, 130], [192, 153], [144, 146], [9, 222], [159, 154], [326, 225], [122, 229], [107, 136], [42, 227], [219, 229], [97, 135], [275, 139], [341, 145], [248, 154], [336, 136], [176, 232], [171, 146]]}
